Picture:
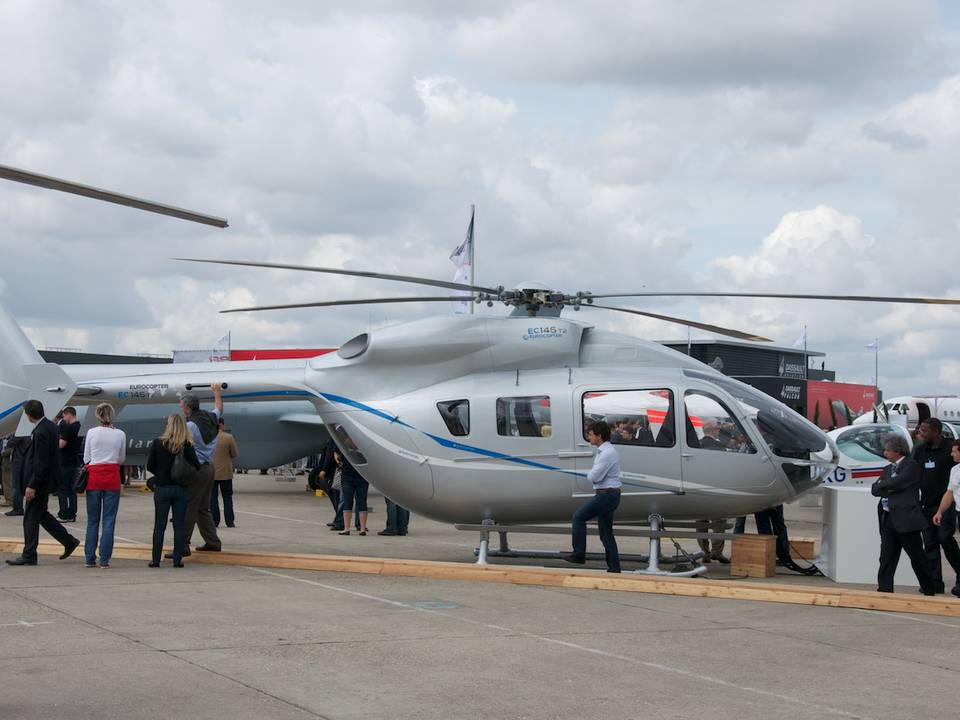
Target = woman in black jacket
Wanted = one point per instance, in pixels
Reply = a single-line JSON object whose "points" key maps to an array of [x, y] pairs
{"points": [[167, 493]]}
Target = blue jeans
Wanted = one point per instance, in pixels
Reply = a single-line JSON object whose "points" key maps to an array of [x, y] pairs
{"points": [[397, 517], [601, 506], [65, 493], [353, 494], [105, 503], [166, 497]]}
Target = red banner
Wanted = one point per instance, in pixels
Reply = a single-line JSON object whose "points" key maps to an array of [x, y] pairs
{"points": [[845, 399], [278, 354]]}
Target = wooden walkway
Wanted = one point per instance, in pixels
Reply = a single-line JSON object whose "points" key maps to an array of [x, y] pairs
{"points": [[907, 602]]}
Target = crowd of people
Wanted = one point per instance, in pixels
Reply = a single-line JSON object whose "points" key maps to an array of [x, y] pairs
{"points": [[191, 469], [191, 464]]}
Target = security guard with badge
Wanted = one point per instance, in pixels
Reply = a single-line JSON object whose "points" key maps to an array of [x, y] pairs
{"points": [[933, 456]]}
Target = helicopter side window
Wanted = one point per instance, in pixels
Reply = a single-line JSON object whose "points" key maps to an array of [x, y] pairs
{"points": [[524, 416], [711, 426], [456, 414], [635, 417]]}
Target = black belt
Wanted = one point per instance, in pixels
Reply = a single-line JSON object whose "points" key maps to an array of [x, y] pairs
{"points": [[607, 490]]}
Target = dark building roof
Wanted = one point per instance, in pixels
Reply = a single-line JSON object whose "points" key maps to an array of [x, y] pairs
{"points": [[75, 357]]}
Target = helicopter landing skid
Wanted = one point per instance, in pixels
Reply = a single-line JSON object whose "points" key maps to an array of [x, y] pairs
{"points": [[654, 560]]}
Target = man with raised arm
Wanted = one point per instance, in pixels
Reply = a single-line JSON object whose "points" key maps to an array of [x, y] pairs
{"points": [[203, 426]]}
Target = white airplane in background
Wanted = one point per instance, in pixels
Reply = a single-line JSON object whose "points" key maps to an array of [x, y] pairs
{"points": [[917, 408]]}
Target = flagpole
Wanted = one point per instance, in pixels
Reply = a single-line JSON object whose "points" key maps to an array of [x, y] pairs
{"points": [[473, 241], [876, 370], [806, 358]]}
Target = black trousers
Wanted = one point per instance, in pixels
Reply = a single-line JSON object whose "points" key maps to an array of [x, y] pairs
{"points": [[35, 516], [935, 537], [891, 543]]}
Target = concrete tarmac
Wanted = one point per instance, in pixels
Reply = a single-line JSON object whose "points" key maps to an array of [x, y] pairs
{"points": [[232, 642]]}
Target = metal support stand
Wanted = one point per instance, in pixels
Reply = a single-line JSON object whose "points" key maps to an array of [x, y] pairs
{"points": [[653, 567], [485, 543], [504, 544]]}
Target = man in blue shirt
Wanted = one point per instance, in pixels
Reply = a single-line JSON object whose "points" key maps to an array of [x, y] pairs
{"points": [[605, 477], [203, 427]]}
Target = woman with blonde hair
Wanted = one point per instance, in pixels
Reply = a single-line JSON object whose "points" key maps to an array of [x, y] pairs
{"points": [[170, 490], [104, 451]]}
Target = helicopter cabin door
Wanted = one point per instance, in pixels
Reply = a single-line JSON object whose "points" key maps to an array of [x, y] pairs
{"points": [[717, 453], [643, 427]]}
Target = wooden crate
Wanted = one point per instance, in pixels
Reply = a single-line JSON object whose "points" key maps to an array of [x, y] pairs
{"points": [[754, 556], [803, 549]]}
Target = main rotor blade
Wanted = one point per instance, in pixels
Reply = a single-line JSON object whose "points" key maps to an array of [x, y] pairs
{"points": [[787, 296], [703, 326], [353, 273], [52, 183], [366, 301]]}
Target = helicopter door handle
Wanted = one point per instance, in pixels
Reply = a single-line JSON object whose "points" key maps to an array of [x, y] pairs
{"points": [[574, 453], [686, 455]]}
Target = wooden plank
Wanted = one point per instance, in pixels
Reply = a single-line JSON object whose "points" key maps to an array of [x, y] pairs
{"points": [[819, 596]]}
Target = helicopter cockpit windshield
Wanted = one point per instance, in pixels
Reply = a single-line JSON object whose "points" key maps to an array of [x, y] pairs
{"points": [[787, 434]]}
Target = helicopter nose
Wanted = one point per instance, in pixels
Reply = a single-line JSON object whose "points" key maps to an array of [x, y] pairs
{"points": [[385, 454]]}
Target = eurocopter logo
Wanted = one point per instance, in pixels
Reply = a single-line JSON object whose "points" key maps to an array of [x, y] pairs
{"points": [[546, 331]]}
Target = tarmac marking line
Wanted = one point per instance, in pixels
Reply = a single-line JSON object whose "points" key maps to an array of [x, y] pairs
{"points": [[170, 653], [899, 616], [699, 677], [279, 517]]}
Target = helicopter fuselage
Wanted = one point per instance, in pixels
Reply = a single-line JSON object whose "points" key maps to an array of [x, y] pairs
{"points": [[466, 419]]}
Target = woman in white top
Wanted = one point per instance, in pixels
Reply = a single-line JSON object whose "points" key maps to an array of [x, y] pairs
{"points": [[104, 451]]}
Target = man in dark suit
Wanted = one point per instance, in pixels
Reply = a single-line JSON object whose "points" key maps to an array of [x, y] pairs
{"points": [[41, 473], [902, 521]]}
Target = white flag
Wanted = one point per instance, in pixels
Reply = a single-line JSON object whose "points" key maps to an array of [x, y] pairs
{"points": [[462, 258], [801, 341], [873, 345]]}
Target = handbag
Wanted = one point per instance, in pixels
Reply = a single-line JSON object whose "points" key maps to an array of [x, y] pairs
{"points": [[182, 472], [337, 482], [79, 481]]}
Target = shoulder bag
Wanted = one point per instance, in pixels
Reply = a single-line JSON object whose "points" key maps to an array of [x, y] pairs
{"points": [[79, 480]]}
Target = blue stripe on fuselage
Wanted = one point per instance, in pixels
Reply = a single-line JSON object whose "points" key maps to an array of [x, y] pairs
{"points": [[454, 445], [11, 410]]}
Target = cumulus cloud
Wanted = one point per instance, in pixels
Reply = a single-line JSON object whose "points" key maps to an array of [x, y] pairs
{"points": [[836, 46]]}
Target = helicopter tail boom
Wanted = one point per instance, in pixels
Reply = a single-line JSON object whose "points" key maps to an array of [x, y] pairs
{"points": [[24, 375]]}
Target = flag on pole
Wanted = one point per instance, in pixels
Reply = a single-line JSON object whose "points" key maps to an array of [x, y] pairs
{"points": [[875, 345], [801, 342], [462, 259]]}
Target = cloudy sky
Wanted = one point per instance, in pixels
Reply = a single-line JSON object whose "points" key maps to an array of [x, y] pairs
{"points": [[609, 146]]}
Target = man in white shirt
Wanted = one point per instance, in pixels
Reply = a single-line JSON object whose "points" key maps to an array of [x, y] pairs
{"points": [[952, 495], [605, 477]]}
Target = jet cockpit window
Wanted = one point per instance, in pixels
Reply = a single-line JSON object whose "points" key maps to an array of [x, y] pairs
{"points": [[865, 443], [349, 448], [635, 417], [711, 426], [524, 416], [456, 414], [787, 433]]}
